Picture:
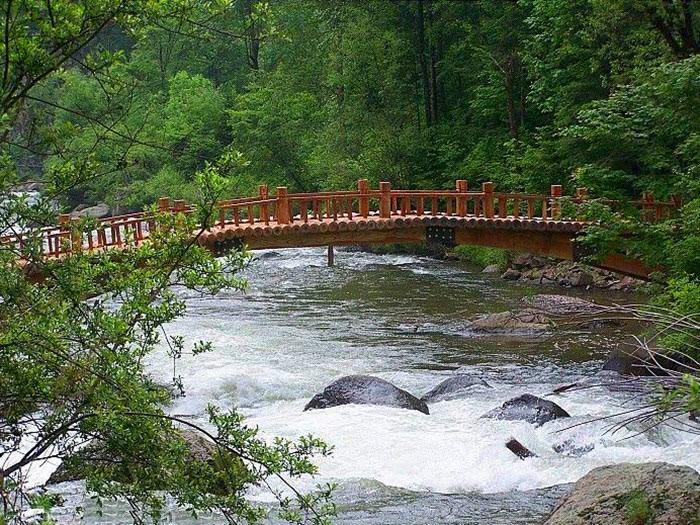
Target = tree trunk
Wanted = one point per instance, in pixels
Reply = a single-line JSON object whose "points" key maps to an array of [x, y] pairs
{"points": [[423, 62], [513, 122], [252, 38]]}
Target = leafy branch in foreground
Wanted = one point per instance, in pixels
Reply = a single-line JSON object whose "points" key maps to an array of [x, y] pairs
{"points": [[667, 359], [73, 384]]}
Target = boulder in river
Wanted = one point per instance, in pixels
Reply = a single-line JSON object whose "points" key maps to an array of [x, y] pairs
{"points": [[560, 304], [199, 449], [520, 450], [521, 321], [492, 268], [631, 494], [528, 408], [365, 390], [97, 211], [511, 274], [639, 362], [453, 387]]}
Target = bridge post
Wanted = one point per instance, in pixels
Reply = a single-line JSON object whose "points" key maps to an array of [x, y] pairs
{"points": [[331, 255], [461, 187], [76, 236], [363, 188], [582, 193], [283, 215], [487, 190], [64, 223], [163, 204], [179, 206], [385, 200], [264, 193], [555, 192]]}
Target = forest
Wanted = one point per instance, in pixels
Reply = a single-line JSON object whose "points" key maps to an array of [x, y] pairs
{"points": [[316, 95], [126, 102]]}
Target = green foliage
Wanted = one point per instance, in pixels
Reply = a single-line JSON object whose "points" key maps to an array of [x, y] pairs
{"points": [[125, 102], [482, 256], [637, 509]]}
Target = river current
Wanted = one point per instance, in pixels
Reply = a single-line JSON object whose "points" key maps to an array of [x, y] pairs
{"points": [[301, 324]]}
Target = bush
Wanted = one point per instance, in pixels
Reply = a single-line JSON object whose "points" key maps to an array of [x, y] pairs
{"points": [[482, 256]]}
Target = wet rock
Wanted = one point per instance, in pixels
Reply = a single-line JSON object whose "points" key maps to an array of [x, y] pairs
{"points": [[639, 362], [511, 274], [560, 304], [491, 268], [268, 255], [520, 450], [506, 322], [97, 211], [580, 279], [628, 494], [365, 390], [453, 387], [524, 261], [570, 448], [528, 408]]}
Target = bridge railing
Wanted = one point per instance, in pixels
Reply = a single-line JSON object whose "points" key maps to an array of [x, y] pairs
{"points": [[329, 206]]}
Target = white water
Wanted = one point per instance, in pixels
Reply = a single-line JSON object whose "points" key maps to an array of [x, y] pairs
{"points": [[302, 325]]}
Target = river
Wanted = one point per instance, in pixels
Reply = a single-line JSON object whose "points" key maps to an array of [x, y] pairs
{"points": [[302, 324]]}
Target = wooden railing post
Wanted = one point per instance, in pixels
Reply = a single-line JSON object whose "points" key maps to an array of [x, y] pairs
{"points": [[487, 189], [385, 200], [163, 204], [179, 205], [555, 192], [283, 215], [363, 188], [582, 193], [76, 236], [461, 187], [64, 226], [264, 194], [648, 207]]}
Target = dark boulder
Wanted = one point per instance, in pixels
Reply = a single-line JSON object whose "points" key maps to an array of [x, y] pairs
{"points": [[528, 408], [453, 387], [511, 274], [268, 255], [365, 390], [639, 362], [520, 450]]}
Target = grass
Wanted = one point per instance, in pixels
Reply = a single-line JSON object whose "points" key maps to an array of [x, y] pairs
{"points": [[637, 509], [482, 256]]}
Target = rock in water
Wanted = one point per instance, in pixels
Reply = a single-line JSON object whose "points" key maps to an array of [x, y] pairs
{"points": [[639, 362], [98, 211], [627, 494], [561, 304], [453, 387], [528, 408], [520, 450], [365, 390], [506, 322], [491, 268], [511, 275]]}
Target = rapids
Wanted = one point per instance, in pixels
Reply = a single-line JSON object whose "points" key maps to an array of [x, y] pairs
{"points": [[301, 325]]}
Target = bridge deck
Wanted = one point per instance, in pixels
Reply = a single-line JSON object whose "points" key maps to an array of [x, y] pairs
{"points": [[518, 221]]}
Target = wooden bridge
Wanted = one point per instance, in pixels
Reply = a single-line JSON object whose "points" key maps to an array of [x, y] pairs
{"points": [[516, 221]]}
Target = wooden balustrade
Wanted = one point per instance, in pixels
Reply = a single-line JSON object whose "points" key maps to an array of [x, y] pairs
{"points": [[330, 206]]}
